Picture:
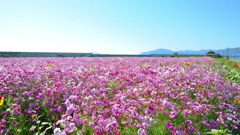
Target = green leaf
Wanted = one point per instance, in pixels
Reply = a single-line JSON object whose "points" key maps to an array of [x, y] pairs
{"points": [[216, 132], [38, 122], [48, 128], [33, 127], [40, 116], [41, 127], [112, 83], [44, 123], [19, 130], [9, 99]]}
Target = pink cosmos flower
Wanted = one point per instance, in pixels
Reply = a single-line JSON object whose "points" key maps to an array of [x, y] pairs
{"points": [[185, 131], [3, 121], [112, 129], [91, 124], [63, 133], [236, 122], [171, 128], [134, 114], [145, 125], [172, 114], [4, 113], [179, 132], [117, 133], [138, 125], [192, 129], [152, 107], [15, 123], [142, 132], [168, 124], [189, 122], [169, 106], [148, 111], [234, 127], [2, 126], [14, 106], [114, 124], [160, 108], [214, 123]]}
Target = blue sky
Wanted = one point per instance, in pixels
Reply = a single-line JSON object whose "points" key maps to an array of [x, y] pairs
{"points": [[118, 26]]}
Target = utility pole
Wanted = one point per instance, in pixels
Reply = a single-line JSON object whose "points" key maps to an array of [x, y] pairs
{"points": [[223, 52], [227, 51]]}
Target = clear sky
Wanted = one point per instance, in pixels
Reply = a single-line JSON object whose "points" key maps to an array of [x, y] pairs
{"points": [[118, 26]]}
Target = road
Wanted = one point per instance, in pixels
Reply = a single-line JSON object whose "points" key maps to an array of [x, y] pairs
{"points": [[236, 60]]}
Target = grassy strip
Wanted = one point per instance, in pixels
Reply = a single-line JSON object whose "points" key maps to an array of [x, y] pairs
{"points": [[232, 69]]}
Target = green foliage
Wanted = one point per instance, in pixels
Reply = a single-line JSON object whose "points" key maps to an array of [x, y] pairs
{"points": [[39, 125], [197, 62], [232, 70], [112, 84], [218, 132], [210, 52], [175, 54], [5, 55]]}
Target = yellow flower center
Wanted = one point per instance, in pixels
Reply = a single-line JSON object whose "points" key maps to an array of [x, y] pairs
{"points": [[2, 101], [49, 64], [236, 100], [200, 86]]}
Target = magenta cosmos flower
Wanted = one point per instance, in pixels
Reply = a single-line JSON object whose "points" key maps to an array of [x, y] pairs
{"points": [[189, 122], [142, 132], [192, 129], [148, 111], [172, 114], [152, 107]]}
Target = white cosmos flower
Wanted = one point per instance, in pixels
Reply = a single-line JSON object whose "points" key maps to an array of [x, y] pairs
{"points": [[123, 97], [135, 89], [167, 72], [182, 70], [57, 131], [229, 118], [1, 68]]}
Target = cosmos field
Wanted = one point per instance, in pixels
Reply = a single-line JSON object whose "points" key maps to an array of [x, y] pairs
{"points": [[118, 96]]}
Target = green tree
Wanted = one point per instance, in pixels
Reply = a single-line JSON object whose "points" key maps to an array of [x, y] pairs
{"points": [[210, 52], [175, 54]]}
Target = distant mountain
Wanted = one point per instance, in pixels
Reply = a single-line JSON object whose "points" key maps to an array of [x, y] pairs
{"points": [[158, 51], [231, 51], [95, 53]]}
